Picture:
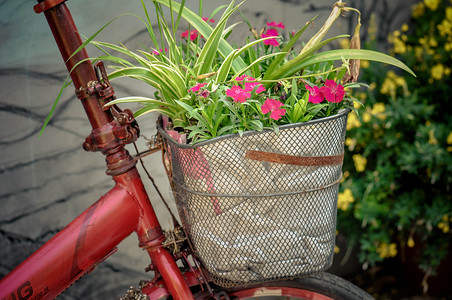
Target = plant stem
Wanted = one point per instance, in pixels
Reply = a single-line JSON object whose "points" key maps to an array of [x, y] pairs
{"points": [[317, 38]]}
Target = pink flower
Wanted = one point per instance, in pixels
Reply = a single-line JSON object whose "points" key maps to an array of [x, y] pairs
{"points": [[332, 91], [249, 86], [184, 34], [197, 87], [243, 78], [204, 93], [269, 33], [155, 52], [193, 35], [274, 24], [315, 94], [238, 94], [271, 42], [208, 20], [273, 106]]}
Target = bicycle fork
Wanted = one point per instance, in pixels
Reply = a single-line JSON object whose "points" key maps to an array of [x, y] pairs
{"points": [[90, 238]]}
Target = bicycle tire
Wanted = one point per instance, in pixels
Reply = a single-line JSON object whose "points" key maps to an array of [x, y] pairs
{"points": [[321, 286]]}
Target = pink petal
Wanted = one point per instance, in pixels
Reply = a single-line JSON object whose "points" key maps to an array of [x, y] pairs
{"points": [[184, 34], [273, 106], [277, 113], [242, 78], [193, 35], [238, 94], [197, 87], [249, 86], [274, 24], [271, 42], [272, 32], [315, 94]]}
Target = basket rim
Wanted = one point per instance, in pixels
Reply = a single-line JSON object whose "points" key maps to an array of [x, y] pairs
{"points": [[341, 113]]}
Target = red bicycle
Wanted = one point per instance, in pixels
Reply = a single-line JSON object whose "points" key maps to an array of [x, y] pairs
{"points": [[94, 235]]}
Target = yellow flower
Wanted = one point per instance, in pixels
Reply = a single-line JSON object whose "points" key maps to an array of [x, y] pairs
{"points": [[444, 227], [362, 96], [449, 138], [350, 143], [444, 224], [404, 27], [399, 45], [431, 137], [386, 250], [366, 117], [448, 46], [423, 40], [344, 43], [336, 249], [353, 121], [378, 110], [419, 51], [344, 199], [364, 64], [410, 242], [432, 4], [388, 87], [445, 28], [433, 42], [360, 162], [449, 13], [418, 10], [437, 71]]}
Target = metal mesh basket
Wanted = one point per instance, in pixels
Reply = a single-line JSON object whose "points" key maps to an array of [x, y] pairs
{"points": [[262, 206]]}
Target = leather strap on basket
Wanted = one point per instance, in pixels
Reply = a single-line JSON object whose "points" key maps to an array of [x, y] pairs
{"points": [[295, 160]]}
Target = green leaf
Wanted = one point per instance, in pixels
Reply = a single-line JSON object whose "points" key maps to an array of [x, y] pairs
{"points": [[275, 63], [209, 50], [242, 71], [205, 30], [226, 65], [149, 25], [255, 70], [66, 83], [154, 108], [256, 125], [143, 100], [298, 64]]}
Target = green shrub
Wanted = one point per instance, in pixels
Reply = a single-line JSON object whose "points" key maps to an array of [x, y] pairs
{"points": [[396, 190]]}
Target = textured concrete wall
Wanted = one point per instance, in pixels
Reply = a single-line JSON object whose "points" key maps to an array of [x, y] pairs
{"points": [[45, 182]]}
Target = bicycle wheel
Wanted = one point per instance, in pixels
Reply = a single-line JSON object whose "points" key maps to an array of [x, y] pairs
{"points": [[322, 286]]}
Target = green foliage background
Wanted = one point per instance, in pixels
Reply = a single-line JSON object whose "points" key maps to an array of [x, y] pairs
{"points": [[401, 143]]}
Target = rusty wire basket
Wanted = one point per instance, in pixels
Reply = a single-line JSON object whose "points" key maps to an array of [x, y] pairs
{"points": [[261, 207]]}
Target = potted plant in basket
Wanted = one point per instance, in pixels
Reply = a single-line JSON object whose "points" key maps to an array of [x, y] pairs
{"points": [[255, 135]]}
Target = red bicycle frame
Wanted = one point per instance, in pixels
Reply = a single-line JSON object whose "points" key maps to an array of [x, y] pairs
{"points": [[126, 208]]}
